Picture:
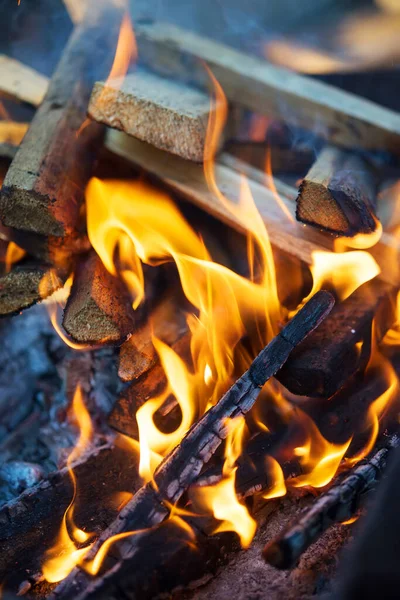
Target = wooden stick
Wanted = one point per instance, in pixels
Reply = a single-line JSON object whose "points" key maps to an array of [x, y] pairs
{"points": [[338, 504], [342, 345], [338, 194], [44, 186], [181, 467], [20, 82], [340, 117], [99, 309], [169, 115]]}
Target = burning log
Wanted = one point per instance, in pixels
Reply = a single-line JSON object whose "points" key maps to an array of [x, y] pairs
{"points": [[341, 346], [25, 285], [188, 180], [343, 118], [181, 467], [20, 82], [99, 309], [170, 116], [338, 194], [338, 504], [44, 186]]}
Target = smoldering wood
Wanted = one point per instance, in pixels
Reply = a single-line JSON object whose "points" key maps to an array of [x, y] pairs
{"points": [[44, 187], [188, 181], [99, 308], [25, 285], [338, 194], [341, 346], [30, 524], [166, 114], [21, 82], [338, 504], [181, 467], [342, 118]]}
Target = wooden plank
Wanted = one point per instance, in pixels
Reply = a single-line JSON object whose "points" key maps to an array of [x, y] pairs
{"points": [[340, 117], [338, 194], [20, 82], [188, 180], [44, 187], [169, 115]]}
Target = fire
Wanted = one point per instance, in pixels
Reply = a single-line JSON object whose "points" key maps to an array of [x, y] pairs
{"points": [[65, 554], [271, 185], [126, 51], [220, 499], [13, 255]]}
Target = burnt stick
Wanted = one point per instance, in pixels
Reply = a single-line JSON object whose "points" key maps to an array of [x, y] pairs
{"points": [[181, 467], [338, 504]]}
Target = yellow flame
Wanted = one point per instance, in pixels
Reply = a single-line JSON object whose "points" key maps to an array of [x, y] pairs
{"points": [[275, 473], [13, 255], [64, 555], [221, 499]]}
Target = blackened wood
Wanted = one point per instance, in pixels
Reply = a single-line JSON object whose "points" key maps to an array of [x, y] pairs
{"points": [[44, 186], [369, 566], [338, 194], [30, 524], [99, 309], [323, 362], [181, 467], [338, 504]]}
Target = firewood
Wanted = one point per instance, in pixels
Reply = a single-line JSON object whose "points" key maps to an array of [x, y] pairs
{"points": [[188, 180], [76, 10], [30, 524], [99, 309], [170, 116], [44, 187], [338, 194], [25, 285], [286, 159], [341, 346], [338, 504], [20, 82], [150, 384], [341, 117], [181, 467]]}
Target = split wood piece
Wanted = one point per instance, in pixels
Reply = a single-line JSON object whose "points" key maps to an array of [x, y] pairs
{"points": [[20, 82], [338, 194], [11, 135], [338, 504], [25, 285], [168, 115], [151, 384], [166, 322], [341, 117], [321, 365], [99, 309], [44, 187], [188, 180], [30, 524], [183, 465]]}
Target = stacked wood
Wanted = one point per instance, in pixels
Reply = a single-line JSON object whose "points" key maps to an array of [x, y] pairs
{"points": [[20, 82], [99, 309], [340, 503], [342, 345], [169, 115], [44, 187], [338, 194], [341, 117], [180, 468]]}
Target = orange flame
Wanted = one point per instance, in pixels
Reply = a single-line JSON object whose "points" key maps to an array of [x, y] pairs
{"points": [[65, 555], [126, 52], [221, 499], [13, 255]]}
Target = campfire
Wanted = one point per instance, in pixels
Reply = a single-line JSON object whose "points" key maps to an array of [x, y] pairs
{"points": [[199, 381]]}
